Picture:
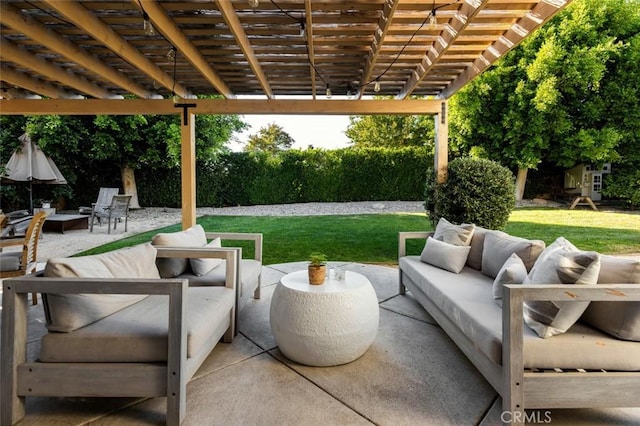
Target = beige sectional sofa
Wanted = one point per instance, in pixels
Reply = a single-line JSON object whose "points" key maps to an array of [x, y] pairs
{"points": [[117, 328], [462, 281]]}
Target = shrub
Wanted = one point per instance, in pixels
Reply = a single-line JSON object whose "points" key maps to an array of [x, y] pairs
{"points": [[476, 191], [624, 183]]}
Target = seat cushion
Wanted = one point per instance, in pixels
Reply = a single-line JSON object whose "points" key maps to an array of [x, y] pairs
{"points": [[67, 312], [10, 261], [138, 333], [620, 319], [466, 299], [192, 237]]}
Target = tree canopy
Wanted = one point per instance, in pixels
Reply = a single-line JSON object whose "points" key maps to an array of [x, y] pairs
{"points": [[270, 139], [390, 131], [567, 94]]}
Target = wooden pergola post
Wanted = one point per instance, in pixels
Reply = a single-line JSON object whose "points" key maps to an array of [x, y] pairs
{"points": [[188, 169], [440, 157]]}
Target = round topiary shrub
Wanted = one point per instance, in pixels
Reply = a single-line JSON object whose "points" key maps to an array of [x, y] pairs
{"points": [[477, 191]]}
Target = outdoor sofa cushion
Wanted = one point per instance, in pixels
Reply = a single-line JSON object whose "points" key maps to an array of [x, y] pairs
{"points": [[512, 272], [466, 299], [459, 235], [498, 246], [204, 266], [192, 237], [68, 312], [444, 255], [620, 319], [560, 263], [138, 333], [477, 245]]}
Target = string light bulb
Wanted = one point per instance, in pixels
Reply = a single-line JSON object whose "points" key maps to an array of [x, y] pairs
{"points": [[433, 21], [254, 3], [303, 33], [171, 54], [328, 92], [376, 86], [147, 26]]}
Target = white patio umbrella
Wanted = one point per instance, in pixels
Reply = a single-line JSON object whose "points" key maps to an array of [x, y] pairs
{"points": [[29, 164]]}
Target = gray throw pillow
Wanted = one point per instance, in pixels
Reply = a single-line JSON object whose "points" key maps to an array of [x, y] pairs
{"points": [[498, 246], [192, 237], [620, 319], [512, 272], [444, 255], [202, 266], [560, 263], [477, 244], [459, 235]]}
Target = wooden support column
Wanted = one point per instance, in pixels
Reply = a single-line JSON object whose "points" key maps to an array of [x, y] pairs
{"points": [[440, 157], [188, 163]]}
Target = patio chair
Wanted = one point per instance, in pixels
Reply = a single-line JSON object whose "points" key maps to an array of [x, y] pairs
{"points": [[22, 262], [104, 200], [116, 210]]}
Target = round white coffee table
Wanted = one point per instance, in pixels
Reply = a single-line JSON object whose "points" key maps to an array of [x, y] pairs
{"points": [[322, 325]]}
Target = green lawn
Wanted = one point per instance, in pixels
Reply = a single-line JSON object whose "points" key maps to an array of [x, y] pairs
{"points": [[374, 238]]}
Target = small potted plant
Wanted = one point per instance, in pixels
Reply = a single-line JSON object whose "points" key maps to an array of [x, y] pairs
{"points": [[317, 268]]}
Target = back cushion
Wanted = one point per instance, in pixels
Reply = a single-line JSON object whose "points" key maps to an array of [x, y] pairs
{"points": [[68, 312], [620, 319], [192, 237], [498, 246], [477, 243]]}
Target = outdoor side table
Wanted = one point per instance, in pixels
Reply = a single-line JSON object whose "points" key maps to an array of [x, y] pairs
{"points": [[65, 222], [323, 325]]}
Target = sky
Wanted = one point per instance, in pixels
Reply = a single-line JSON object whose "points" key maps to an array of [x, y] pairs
{"points": [[321, 131]]}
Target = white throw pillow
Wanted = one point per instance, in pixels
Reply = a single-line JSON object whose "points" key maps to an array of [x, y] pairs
{"points": [[202, 266], [560, 263], [512, 272], [444, 255], [459, 235]]}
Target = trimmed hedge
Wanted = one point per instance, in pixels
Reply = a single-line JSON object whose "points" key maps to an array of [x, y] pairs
{"points": [[295, 176], [476, 191]]}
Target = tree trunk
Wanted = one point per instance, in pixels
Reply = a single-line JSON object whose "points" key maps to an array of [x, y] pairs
{"points": [[521, 180], [129, 186]]}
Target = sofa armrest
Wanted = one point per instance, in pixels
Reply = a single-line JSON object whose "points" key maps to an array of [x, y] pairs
{"points": [[513, 325], [15, 319], [231, 255], [404, 236], [241, 236]]}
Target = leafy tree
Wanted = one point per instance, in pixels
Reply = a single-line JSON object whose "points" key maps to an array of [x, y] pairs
{"points": [[270, 139], [562, 95], [391, 131]]}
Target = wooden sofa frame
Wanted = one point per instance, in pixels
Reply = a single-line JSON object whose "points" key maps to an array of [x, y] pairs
{"points": [[522, 388], [20, 378]]}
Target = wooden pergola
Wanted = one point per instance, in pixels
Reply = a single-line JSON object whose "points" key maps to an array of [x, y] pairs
{"points": [[85, 57]]}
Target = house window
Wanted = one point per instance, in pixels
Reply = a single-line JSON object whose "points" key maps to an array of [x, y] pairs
{"points": [[597, 183]]}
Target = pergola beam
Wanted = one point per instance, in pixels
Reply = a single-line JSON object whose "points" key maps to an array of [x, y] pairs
{"points": [[13, 18], [384, 23], [86, 20], [235, 26], [181, 42], [447, 37], [220, 106], [541, 13], [11, 52], [31, 83]]}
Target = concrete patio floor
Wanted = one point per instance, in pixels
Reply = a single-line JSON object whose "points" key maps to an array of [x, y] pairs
{"points": [[413, 374]]}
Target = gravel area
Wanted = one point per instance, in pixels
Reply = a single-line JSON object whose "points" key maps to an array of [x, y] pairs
{"points": [[141, 220]]}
